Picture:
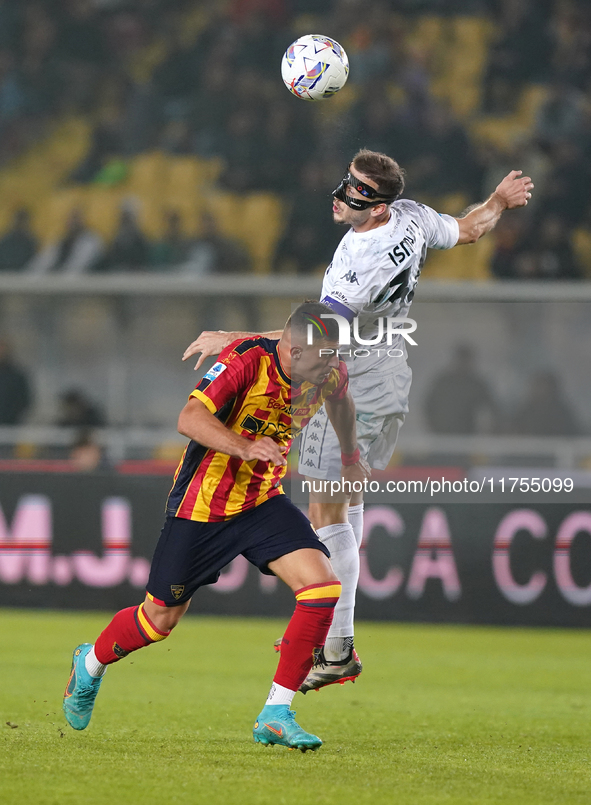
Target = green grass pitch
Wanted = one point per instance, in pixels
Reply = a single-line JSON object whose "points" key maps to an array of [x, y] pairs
{"points": [[441, 714]]}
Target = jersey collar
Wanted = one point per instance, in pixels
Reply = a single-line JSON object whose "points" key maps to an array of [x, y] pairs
{"points": [[280, 370]]}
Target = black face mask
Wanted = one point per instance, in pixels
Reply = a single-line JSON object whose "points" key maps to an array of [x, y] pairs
{"points": [[356, 203]]}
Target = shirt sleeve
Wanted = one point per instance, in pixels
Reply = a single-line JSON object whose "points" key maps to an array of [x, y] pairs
{"points": [[234, 371], [441, 231], [347, 293]]}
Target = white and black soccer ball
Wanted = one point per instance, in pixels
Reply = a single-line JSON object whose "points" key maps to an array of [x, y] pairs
{"points": [[314, 67]]}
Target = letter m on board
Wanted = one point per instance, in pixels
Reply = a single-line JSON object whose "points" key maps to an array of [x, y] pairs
{"points": [[25, 544]]}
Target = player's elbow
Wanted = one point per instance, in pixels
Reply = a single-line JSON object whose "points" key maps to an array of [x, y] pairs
{"points": [[469, 234], [181, 425], [185, 424]]}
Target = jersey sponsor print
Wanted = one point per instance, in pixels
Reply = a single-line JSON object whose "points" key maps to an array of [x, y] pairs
{"points": [[247, 390]]}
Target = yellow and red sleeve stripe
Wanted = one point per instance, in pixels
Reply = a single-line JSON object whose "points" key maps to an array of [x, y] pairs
{"points": [[319, 595]]}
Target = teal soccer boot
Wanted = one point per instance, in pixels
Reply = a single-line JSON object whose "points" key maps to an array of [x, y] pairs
{"points": [[277, 725], [80, 691]]}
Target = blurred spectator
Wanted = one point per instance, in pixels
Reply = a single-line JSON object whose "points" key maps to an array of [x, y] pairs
{"points": [[38, 68], [284, 138], [105, 144], [173, 248], [460, 400], [310, 237], [212, 106], [546, 253], [176, 138], [19, 244], [508, 237], [12, 97], [174, 80], [15, 389], [81, 47], [370, 51], [436, 150], [214, 253], [519, 55], [565, 190], [86, 454], [76, 410], [371, 123], [555, 258], [571, 35], [129, 248], [243, 151], [76, 253], [12, 107], [545, 411], [274, 10], [256, 42], [561, 115]]}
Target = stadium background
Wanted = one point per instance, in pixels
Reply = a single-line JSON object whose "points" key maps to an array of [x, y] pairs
{"points": [[157, 179]]}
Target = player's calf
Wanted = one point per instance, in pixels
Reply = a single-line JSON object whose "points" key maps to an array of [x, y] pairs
{"points": [[303, 638]]}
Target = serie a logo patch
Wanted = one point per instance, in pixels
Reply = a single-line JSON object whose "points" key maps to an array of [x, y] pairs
{"points": [[215, 371]]}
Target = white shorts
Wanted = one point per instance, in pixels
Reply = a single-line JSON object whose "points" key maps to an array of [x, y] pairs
{"points": [[381, 403]]}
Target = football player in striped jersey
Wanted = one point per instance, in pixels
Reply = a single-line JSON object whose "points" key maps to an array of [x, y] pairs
{"points": [[227, 500]]}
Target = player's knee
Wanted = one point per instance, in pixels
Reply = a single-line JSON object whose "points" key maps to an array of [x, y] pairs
{"points": [[323, 514], [165, 618]]}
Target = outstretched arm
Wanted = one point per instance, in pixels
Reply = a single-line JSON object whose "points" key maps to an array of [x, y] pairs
{"points": [[212, 342], [514, 191], [198, 423]]}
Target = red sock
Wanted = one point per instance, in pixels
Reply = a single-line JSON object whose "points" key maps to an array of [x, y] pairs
{"points": [[306, 631], [129, 630]]}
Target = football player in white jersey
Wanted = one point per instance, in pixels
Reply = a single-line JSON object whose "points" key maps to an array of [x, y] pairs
{"points": [[372, 275]]}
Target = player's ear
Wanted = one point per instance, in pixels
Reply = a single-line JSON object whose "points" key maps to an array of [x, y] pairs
{"points": [[378, 210], [296, 353]]}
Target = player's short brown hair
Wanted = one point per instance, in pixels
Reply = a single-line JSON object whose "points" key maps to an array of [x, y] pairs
{"points": [[382, 169]]}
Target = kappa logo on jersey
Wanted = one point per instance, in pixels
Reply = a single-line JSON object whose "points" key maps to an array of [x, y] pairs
{"points": [[350, 276], [215, 371]]}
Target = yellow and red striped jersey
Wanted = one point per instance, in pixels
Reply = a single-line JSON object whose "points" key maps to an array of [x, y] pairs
{"points": [[249, 392]]}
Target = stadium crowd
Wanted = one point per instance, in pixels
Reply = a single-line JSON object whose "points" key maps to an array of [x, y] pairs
{"points": [[195, 78]]}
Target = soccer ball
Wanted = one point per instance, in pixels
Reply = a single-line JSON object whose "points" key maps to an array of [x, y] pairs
{"points": [[314, 67]]}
